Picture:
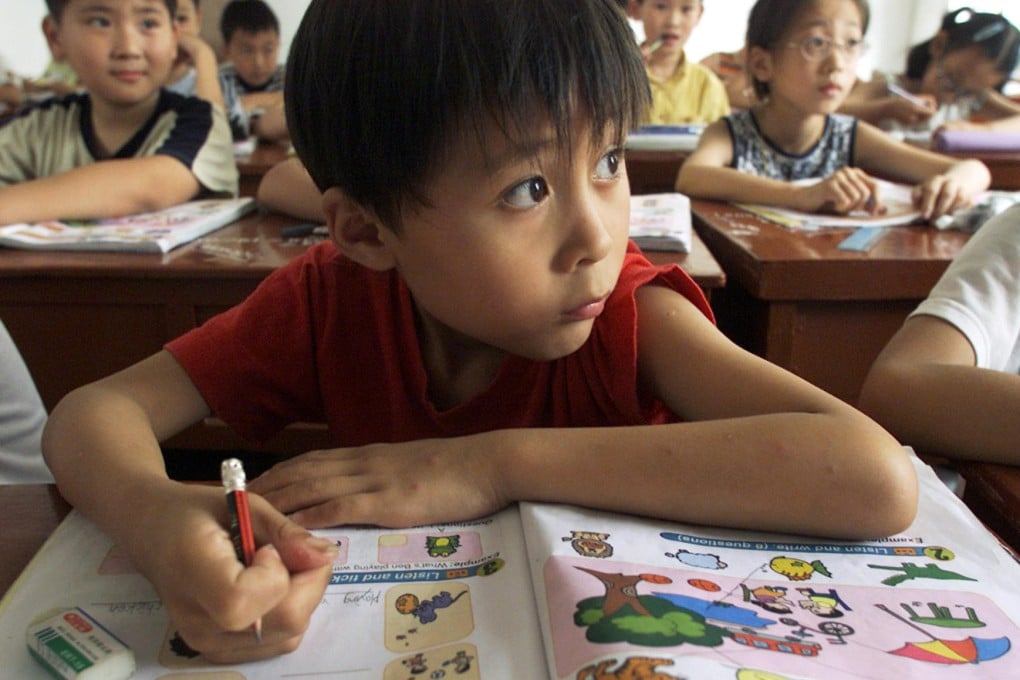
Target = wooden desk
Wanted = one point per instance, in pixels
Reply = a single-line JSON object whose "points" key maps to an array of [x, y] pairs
{"points": [[31, 512], [992, 492], [795, 299], [653, 172], [77, 317], [253, 166], [1004, 166]]}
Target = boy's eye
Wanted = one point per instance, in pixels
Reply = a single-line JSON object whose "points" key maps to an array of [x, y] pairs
{"points": [[527, 194], [100, 22], [609, 165]]}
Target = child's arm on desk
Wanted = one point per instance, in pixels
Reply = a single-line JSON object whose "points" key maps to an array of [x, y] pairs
{"points": [[925, 388], [203, 58], [102, 189], [943, 184], [287, 188], [873, 102], [707, 174], [762, 449], [101, 444]]}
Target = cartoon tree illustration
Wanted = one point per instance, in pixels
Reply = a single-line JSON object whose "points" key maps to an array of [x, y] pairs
{"points": [[622, 615]]}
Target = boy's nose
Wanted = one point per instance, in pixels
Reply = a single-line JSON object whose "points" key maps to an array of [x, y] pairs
{"points": [[126, 40], [588, 239]]}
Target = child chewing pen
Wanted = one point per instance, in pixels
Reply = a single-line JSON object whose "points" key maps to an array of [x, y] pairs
{"points": [[232, 474]]}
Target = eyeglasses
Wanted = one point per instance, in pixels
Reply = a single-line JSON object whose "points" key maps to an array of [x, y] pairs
{"points": [[949, 85], [816, 48]]}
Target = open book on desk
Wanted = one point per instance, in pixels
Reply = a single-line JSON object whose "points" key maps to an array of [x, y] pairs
{"points": [[661, 222], [548, 591], [153, 232], [665, 137], [897, 198]]}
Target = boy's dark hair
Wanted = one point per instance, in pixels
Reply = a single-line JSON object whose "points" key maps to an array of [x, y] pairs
{"points": [[252, 16], [56, 8], [378, 91], [770, 21], [998, 40]]}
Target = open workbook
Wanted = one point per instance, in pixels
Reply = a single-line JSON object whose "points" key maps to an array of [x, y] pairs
{"points": [[152, 232], [896, 198], [545, 591]]}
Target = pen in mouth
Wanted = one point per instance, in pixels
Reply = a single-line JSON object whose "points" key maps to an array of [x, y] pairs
{"points": [[655, 44]]}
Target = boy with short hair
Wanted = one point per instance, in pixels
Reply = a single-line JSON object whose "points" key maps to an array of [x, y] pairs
{"points": [[252, 80], [682, 91], [195, 72], [479, 331], [124, 145]]}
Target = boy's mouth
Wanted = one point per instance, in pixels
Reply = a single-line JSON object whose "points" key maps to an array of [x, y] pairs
{"points": [[128, 76], [588, 310]]}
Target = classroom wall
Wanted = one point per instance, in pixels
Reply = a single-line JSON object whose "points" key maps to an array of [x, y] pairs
{"points": [[23, 48]]}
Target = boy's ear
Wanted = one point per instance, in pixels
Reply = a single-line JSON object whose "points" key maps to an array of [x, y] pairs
{"points": [[356, 231], [759, 64], [634, 9], [51, 30]]}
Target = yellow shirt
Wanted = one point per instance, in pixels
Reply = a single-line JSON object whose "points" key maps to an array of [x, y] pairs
{"points": [[693, 94]]}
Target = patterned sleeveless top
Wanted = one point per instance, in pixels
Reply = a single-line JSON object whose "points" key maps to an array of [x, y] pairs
{"points": [[755, 154]]}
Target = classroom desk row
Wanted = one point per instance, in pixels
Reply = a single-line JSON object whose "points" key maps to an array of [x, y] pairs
{"points": [[77, 317], [32, 511], [652, 172]]}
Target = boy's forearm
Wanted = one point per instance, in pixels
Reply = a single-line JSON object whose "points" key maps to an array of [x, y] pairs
{"points": [[257, 100], [105, 458], [271, 125], [727, 473], [207, 80], [103, 189], [960, 412]]}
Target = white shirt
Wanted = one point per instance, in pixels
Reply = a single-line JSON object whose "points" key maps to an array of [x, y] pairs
{"points": [[979, 293]]}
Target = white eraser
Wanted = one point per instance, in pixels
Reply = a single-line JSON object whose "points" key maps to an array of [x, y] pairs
{"points": [[71, 644]]}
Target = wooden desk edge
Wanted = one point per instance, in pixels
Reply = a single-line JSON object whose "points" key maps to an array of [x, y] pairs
{"points": [[32, 512]]}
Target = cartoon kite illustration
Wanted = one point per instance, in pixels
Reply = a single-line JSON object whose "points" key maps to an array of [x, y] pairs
{"points": [[950, 652]]}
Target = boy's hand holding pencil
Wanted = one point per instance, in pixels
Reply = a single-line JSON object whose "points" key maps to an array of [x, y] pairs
{"points": [[211, 598]]}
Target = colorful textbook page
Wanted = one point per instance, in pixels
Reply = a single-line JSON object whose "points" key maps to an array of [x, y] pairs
{"points": [[634, 598], [548, 591], [153, 232]]}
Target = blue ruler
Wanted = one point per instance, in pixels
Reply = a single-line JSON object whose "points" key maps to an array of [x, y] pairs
{"points": [[862, 239]]}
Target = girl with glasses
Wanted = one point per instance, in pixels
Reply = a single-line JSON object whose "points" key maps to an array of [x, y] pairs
{"points": [[960, 72], [802, 59]]}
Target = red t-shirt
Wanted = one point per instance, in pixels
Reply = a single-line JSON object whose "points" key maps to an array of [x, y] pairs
{"points": [[324, 339]]}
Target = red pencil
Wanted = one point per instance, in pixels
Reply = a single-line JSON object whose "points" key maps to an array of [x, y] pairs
{"points": [[232, 474]]}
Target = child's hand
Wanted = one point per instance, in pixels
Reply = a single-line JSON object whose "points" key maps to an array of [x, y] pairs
{"points": [[844, 191], [650, 47], [210, 596], [191, 47], [907, 112], [941, 195], [393, 485]]}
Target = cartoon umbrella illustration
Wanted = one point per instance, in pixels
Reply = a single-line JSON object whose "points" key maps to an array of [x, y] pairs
{"points": [[935, 650]]}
